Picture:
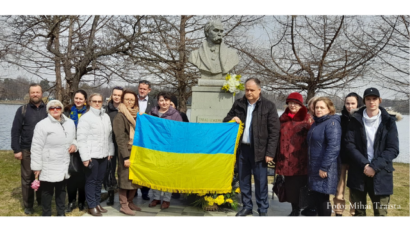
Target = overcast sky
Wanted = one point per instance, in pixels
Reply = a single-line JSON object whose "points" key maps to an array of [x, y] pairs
{"points": [[208, 7]]}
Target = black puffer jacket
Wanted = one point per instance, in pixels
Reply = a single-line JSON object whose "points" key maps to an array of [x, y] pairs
{"points": [[265, 125], [386, 148], [23, 126]]}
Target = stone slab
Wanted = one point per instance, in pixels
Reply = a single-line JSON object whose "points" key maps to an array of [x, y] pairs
{"points": [[210, 104], [211, 82]]}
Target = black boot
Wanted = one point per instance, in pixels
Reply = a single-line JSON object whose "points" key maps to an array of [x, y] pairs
{"points": [[294, 213], [70, 207], [110, 200], [80, 206]]}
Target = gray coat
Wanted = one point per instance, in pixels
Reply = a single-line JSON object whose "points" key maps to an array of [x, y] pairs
{"points": [[49, 148]]}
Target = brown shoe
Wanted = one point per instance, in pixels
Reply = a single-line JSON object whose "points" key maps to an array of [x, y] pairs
{"points": [[101, 209], [154, 203], [126, 210], [165, 205], [94, 212], [134, 207]]}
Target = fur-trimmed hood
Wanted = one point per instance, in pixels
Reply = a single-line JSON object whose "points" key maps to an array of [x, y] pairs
{"points": [[398, 116]]}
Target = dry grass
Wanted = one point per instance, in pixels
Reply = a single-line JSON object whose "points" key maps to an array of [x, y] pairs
{"points": [[11, 202], [399, 201]]}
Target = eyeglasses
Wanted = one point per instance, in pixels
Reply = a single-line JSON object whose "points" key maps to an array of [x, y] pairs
{"points": [[129, 100], [54, 108], [96, 101]]}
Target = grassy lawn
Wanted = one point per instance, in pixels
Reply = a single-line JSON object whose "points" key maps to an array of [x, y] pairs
{"points": [[400, 197], [11, 202]]}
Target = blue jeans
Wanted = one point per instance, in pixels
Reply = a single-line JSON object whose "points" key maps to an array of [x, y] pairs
{"points": [[93, 181], [247, 165]]}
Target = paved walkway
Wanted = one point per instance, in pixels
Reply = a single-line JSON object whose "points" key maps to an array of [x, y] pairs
{"points": [[180, 207]]}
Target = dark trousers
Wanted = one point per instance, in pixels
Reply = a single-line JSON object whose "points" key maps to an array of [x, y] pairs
{"points": [[76, 183], [94, 177], [47, 195], [247, 165], [144, 191], [323, 206], [27, 177], [359, 200]]}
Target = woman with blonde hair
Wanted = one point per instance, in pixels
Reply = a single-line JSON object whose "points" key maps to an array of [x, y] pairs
{"points": [[324, 146], [53, 141], [124, 129], [94, 135]]}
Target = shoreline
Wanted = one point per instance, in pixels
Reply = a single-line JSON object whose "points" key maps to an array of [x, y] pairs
{"points": [[12, 102]]}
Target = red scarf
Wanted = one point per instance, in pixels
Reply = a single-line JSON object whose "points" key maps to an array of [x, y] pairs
{"points": [[291, 115]]}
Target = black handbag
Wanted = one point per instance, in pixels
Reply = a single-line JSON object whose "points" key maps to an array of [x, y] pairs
{"points": [[271, 169], [305, 197], [76, 164], [110, 182], [279, 188]]}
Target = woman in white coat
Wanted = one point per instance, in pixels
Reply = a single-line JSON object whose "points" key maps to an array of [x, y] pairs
{"points": [[94, 135], [53, 141]]}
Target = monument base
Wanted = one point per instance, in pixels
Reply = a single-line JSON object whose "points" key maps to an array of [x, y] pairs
{"points": [[210, 104]]}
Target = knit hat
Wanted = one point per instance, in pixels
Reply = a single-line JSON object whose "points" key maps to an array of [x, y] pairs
{"points": [[175, 101], [295, 97]]}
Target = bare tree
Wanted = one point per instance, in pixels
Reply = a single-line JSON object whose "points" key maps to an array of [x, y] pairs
{"points": [[392, 66], [76, 46], [313, 53], [163, 54]]}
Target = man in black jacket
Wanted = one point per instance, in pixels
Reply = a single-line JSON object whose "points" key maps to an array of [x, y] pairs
{"points": [[111, 110], [25, 120], [258, 144], [372, 143]]}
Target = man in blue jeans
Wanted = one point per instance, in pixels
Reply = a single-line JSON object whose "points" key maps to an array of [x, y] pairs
{"points": [[258, 144]]}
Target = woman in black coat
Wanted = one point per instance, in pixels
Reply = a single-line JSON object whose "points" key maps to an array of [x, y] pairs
{"points": [[352, 102]]}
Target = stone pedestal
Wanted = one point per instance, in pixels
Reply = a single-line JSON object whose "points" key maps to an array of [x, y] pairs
{"points": [[210, 104]]}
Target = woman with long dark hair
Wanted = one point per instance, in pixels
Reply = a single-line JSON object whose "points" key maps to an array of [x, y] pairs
{"points": [[76, 182], [352, 102]]}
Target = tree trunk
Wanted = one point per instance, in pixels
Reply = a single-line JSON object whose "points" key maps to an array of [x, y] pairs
{"points": [[57, 61], [310, 92]]}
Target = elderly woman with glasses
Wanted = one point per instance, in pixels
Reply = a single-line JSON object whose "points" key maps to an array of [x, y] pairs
{"points": [[94, 135], [53, 141]]}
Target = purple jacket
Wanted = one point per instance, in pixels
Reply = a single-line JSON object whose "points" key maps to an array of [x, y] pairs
{"points": [[171, 114]]}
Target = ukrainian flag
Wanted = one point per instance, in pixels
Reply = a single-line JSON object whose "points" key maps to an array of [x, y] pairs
{"points": [[183, 157]]}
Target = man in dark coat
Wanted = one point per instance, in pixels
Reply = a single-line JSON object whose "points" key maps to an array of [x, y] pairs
{"points": [[372, 143], [25, 120], [112, 111], [258, 144], [145, 104]]}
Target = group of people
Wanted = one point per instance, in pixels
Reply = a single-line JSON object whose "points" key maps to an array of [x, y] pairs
{"points": [[49, 138], [310, 146]]}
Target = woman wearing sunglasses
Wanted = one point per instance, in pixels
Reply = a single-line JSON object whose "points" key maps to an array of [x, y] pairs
{"points": [[53, 141], [94, 135]]}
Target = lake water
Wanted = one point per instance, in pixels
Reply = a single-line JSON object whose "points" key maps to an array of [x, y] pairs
{"points": [[7, 113]]}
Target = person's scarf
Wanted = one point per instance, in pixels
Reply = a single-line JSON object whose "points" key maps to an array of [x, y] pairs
{"points": [[131, 115], [74, 113]]}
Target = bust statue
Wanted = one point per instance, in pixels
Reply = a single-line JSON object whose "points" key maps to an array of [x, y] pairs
{"points": [[213, 58]]}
